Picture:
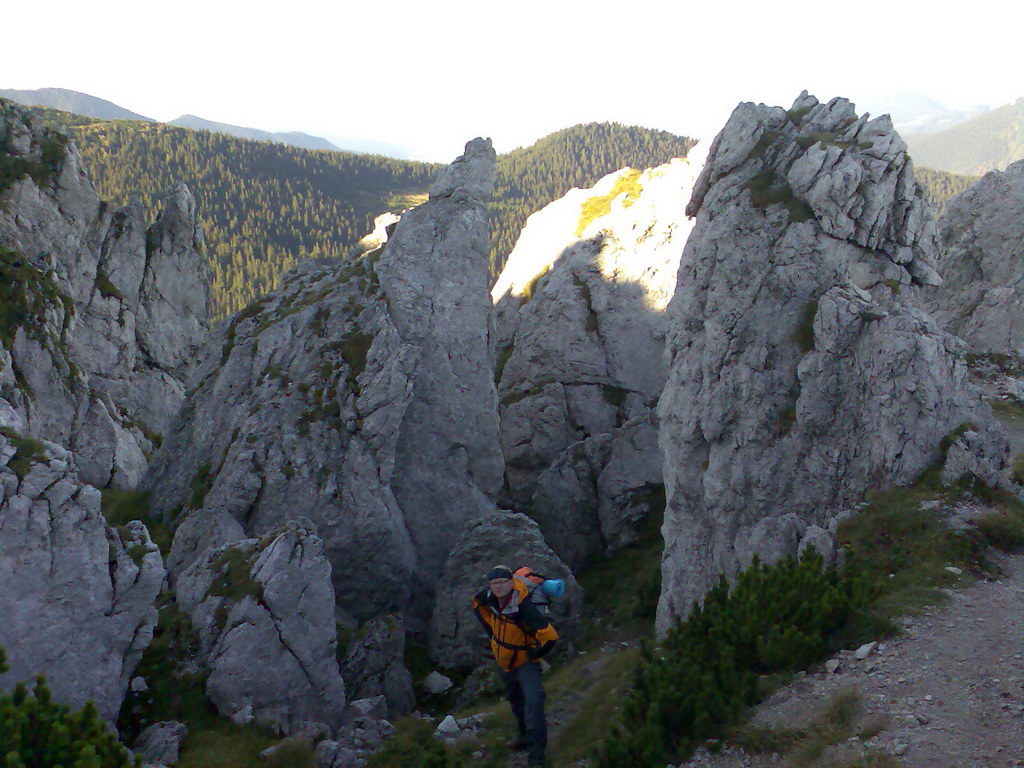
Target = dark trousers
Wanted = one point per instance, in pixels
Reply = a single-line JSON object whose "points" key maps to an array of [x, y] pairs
{"points": [[525, 693]]}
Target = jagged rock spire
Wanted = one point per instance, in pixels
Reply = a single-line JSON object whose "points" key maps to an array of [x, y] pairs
{"points": [[801, 373]]}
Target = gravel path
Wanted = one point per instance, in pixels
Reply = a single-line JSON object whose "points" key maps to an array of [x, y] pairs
{"points": [[950, 688]]}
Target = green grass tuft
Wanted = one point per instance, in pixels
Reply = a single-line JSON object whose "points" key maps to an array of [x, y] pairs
{"points": [[27, 294], [355, 348], [28, 451], [121, 507], [768, 188], [234, 580], [841, 719], [1004, 528], [201, 485], [106, 288]]}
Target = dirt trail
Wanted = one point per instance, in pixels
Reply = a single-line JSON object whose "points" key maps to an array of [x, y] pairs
{"points": [[950, 688]]}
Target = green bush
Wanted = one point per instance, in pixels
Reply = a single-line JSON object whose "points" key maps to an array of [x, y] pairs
{"points": [[705, 673], [38, 732]]}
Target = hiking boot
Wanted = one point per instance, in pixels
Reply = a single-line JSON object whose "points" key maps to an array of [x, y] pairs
{"points": [[520, 743]]}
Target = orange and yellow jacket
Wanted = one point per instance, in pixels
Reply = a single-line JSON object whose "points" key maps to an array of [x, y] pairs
{"points": [[519, 632]]}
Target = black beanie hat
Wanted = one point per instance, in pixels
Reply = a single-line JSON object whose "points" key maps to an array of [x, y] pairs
{"points": [[499, 572]]}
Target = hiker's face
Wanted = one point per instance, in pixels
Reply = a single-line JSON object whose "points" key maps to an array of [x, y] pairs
{"points": [[500, 587]]}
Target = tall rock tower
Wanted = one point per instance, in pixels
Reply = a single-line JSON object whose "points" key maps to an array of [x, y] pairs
{"points": [[801, 373]]}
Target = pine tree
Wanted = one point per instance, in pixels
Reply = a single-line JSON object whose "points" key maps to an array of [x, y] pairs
{"points": [[38, 732]]}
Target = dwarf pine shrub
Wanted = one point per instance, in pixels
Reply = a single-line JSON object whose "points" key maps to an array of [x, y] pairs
{"points": [[38, 732], [776, 618]]}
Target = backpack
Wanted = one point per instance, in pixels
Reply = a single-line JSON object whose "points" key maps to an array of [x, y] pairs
{"points": [[540, 588]]}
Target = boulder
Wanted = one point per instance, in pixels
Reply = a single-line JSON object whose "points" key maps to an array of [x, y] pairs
{"points": [[435, 683], [263, 610], [76, 595], [359, 394], [161, 742], [456, 637], [801, 373]]}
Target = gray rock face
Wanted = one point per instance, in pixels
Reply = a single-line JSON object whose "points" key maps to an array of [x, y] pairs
{"points": [[470, 176], [114, 311], [456, 637], [374, 665], [264, 613], [598, 491], [580, 314], [982, 265], [800, 373], [359, 395], [76, 595]]}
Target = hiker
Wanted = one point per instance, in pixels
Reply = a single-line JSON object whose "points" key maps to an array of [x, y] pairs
{"points": [[520, 635]]}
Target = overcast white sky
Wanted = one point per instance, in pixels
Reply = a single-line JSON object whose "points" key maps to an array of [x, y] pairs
{"points": [[430, 75]]}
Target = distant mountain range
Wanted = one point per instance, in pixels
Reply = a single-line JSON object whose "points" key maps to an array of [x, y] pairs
{"points": [[91, 106], [72, 101], [291, 138], [984, 143], [914, 113]]}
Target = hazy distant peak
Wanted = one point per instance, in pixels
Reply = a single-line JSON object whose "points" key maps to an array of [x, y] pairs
{"points": [[72, 101], [291, 138], [917, 113]]}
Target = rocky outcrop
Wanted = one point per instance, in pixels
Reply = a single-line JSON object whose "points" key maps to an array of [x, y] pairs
{"points": [[161, 742], [580, 317], [800, 372], [263, 610], [359, 395], [981, 260], [374, 665], [501, 537], [107, 313], [76, 595]]}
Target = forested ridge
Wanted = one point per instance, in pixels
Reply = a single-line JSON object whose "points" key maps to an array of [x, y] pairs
{"points": [[530, 178], [265, 207], [940, 187]]}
